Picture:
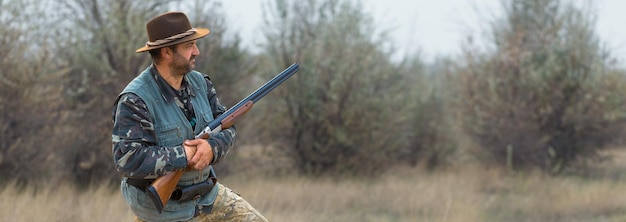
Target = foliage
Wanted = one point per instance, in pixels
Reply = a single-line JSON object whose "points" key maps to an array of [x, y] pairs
{"points": [[56, 110], [342, 109], [431, 132], [27, 90], [94, 42], [545, 96]]}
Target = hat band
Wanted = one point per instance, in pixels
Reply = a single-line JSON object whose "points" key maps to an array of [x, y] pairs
{"points": [[172, 38]]}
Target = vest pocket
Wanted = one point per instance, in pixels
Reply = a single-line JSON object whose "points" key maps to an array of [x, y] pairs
{"points": [[170, 135]]}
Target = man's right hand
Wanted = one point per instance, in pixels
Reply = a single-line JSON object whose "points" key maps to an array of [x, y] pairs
{"points": [[203, 154], [189, 152]]}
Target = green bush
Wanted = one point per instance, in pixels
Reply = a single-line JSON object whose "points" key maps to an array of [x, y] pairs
{"points": [[343, 112], [544, 96], [432, 137]]}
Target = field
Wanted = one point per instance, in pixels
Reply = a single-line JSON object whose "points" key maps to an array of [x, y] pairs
{"points": [[464, 193]]}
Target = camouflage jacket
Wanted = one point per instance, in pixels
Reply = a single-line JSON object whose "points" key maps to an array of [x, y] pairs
{"points": [[135, 149]]}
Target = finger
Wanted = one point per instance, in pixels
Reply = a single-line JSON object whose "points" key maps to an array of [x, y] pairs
{"points": [[196, 158], [192, 142], [197, 166], [191, 162], [200, 155], [200, 166]]}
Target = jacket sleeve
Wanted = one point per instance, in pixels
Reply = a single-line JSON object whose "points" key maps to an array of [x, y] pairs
{"points": [[135, 149], [223, 141]]}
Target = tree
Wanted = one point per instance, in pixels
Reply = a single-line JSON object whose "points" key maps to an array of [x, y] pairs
{"points": [[343, 112], [103, 36], [544, 95], [57, 95], [96, 40], [29, 101], [431, 131]]}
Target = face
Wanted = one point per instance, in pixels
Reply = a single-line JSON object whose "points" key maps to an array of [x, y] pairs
{"points": [[184, 58]]}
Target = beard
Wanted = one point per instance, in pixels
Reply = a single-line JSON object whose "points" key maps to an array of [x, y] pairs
{"points": [[181, 65]]}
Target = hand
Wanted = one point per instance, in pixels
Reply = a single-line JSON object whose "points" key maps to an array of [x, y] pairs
{"points": [[189, 152], [202, 156]]}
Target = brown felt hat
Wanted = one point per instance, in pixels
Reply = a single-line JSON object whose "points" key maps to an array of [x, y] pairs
{"points": [[169, 29]]}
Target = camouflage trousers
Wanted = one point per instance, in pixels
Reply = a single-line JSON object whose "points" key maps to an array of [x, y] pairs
{"points": [[228, 206]]}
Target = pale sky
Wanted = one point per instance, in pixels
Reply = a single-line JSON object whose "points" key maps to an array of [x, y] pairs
{"points": [[434, 27]]}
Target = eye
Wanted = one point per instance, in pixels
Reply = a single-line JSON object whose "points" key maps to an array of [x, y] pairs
{"points": [[191, 44]]}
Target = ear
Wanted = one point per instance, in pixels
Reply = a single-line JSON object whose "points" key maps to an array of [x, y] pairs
{"points": [[166, 52]]}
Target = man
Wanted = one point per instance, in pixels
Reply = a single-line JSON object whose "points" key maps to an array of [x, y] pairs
{"points": [[155, 119]]}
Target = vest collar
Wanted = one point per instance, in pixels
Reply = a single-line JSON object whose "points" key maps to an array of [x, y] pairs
{"points": [[167, 92]]}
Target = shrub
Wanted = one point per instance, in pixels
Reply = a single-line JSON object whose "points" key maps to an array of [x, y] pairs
{"points": [[544, 96], [343, 112]]}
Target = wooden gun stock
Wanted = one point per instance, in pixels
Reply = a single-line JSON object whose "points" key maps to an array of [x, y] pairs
{"points": [[162, 188]]}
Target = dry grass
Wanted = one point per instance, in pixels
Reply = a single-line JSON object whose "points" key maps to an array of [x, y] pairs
{"points": [[62, 204], [470, 193]]}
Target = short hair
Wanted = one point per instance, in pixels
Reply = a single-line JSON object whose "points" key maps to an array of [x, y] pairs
{"points": [[156, 53]]}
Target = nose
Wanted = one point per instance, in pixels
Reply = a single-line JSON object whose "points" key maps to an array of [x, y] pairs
{"points": [[195, 51]]}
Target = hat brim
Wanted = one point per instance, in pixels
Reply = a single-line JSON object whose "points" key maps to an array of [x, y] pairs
{"points": [[200, 32]]}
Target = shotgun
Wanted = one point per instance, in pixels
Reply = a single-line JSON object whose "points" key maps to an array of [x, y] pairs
{"points": [[162, 188]]}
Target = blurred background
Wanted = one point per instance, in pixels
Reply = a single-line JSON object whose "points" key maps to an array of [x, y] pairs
{"points": [[500, 110]]}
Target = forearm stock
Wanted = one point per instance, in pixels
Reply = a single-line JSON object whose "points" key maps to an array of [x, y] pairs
{"points": [[230, 120]]}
